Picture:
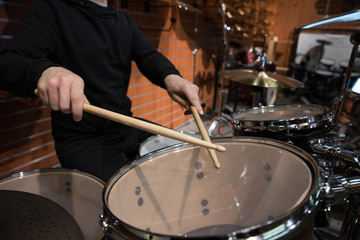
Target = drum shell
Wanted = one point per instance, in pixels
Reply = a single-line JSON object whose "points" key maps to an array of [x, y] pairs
{"points": [[300, 217]]}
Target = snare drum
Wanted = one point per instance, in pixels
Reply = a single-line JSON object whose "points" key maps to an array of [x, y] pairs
{"points": [[293, 123], [282, 118], [265, 189], [77, 192]]}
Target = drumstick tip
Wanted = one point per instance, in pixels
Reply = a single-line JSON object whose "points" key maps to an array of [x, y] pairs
{"points": [[221, 148]]}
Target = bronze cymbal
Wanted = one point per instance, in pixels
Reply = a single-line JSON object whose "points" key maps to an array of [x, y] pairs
{"points": [[260, 78]]}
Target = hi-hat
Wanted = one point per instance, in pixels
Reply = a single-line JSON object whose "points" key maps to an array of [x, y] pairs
{"points": [[260, 78]]}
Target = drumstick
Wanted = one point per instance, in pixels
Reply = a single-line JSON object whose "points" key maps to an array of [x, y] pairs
{"points": [[146, 126], [204, 135]]}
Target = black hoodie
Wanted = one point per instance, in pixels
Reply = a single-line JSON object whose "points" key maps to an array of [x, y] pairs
{"points": [[97, 43]]}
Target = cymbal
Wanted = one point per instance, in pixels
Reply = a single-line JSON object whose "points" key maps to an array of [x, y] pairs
{"points": [[260, 78]]}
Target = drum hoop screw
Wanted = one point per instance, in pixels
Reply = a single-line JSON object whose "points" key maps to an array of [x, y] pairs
{"points": [[104, 223]]}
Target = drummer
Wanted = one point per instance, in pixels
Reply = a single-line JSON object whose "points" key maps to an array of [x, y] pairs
{"points": [[80, 51]]}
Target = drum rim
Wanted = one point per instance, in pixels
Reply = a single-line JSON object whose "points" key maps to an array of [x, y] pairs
{"points": [[296, 123], [50, 170], [289, 223], [191, 133]]}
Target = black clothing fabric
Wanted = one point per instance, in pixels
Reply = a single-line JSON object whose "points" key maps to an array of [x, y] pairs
{"points": [[98, 44], [95, 42], [100, 154]]}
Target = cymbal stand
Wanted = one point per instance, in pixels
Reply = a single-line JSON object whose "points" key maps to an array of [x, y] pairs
{"points": [[351, 225], [196, 30], [219, 119], [354, 39], [258, 91], [226, 29]]}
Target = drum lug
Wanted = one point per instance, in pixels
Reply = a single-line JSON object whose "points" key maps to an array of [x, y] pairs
{"points": [[232, 238], [104, 223], [322, 217], [111, 231]]}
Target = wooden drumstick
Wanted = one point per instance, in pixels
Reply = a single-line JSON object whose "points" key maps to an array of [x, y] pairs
{"points": [[204, 135], [146, 126]]}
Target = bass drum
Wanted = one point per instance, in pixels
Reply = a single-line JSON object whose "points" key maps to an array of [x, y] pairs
{"points": [[264, 189], [77, 192]]}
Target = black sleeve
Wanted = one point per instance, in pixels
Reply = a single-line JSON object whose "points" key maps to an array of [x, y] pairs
{"points": [[26, 56], [150, 62]]}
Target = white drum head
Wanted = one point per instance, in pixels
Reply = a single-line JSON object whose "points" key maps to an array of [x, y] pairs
{"points": [[181, 193]]}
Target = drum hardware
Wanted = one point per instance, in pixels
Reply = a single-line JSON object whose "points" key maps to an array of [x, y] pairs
{"points": [[342, 187], [341, 171], [113, 231], [347, 189], [335, 153], [324, 144], [351, 229], [351, 109], [355, 40], [334, 190], [217, 126]]}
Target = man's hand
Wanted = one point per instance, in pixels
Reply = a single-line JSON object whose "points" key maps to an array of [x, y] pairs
{"points": [[183, 92], [62, 90]]}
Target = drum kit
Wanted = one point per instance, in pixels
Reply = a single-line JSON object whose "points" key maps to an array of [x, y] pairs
{"points": [[281, 174], [282, 171]]}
